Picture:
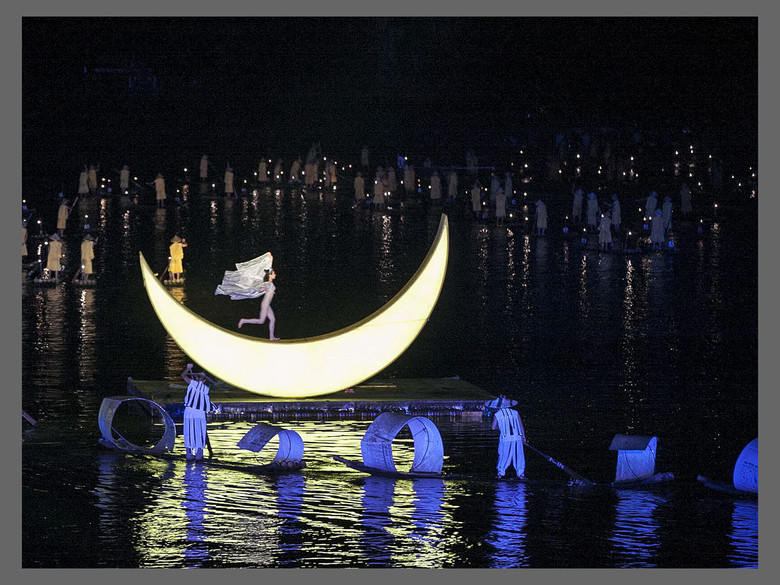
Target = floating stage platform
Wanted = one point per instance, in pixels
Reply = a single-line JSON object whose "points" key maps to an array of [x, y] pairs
{"points": [[423, 396]]}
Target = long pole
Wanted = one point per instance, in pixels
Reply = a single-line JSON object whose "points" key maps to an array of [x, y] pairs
{"points": [[162, 274], [74, 205], [208, 446], [561, 466]]}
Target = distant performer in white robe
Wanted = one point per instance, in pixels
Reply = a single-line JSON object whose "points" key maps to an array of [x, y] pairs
{"points": [[159, 189], [576, 206], [476, 200], [541, 218], [84, 181], [295, 171], [196, 404], [650, 204], [379, 190], [124, 179], [508, 187], [592, 213], [435, 186], [452, 185], [666, 211], [360, 187], [204, 167], [228, 179], [657, 230], [500, 209], [262, 171], [310, 174], [605, 232], [392, 180], [410, 181], [278, 171], [331, 174], [512, 435], [92, 179], [495, 185], [615, 212]]}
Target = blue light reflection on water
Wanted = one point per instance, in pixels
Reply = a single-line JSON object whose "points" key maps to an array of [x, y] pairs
{"points": [[744, 535], [589, 344], [636, 529]]}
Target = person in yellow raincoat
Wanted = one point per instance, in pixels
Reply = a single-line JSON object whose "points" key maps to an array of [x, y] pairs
{"points": [[53, 258], [62, 216], [87, 254], [175, 267]]}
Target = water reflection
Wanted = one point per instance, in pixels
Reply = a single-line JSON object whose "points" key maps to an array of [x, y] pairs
{"points": [[744, 534], [632, 313], [85, 349], [508, 535], [404, 522], [635, 536], [175, 360], [290, 488], [376, 540], [386, 262], [194, 503]]}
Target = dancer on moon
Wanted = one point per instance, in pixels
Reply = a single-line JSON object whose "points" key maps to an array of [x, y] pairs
{"points": [[266, 312]]}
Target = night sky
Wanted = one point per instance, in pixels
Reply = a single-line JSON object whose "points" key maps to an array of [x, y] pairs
{"points": [[419, 84]]}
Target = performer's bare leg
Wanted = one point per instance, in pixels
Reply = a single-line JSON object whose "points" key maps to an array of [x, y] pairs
{"points": [[267, 313]]}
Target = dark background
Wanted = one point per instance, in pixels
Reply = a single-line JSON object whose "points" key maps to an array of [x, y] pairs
{"points": [[159, 90]]}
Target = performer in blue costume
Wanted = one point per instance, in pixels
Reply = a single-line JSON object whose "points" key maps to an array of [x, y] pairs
{"points": [[196, 405], [510, 441]]}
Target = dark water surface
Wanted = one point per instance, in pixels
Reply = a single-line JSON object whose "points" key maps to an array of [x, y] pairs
{"points": [[589, 344]]}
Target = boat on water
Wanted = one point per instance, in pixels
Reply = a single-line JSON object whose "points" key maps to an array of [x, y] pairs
{"points": [[376, 447], [744, 481], [635, 466]]}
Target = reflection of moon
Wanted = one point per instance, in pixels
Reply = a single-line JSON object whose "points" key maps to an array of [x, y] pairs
{"points": [[309, 366]]}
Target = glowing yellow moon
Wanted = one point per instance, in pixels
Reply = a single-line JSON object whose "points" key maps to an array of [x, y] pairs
{"points": [[309, 366]]}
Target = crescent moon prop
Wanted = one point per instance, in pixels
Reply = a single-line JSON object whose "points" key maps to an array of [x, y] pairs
{"points": [[309, 366]]}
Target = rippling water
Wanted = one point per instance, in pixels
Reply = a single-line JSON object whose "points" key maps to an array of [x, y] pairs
{"points": [[590, 345]]}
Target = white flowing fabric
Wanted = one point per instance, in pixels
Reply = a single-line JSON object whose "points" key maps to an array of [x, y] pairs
{"points": [[246, 282]]}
